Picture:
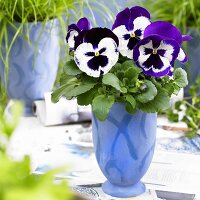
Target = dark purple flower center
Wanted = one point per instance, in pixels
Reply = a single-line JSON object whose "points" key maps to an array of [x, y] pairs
{"points": [[154, 58], [98, 60], [133, 38]]}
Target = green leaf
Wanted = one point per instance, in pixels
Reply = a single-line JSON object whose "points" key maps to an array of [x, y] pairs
{"points": [[112, 80], [87, 97], [78, 89], [159, 103], [133, 90], [101, 105], [176, 89], [180, 77], [128, 64], [71, 68], [64, 89], [169, 87], [191, 134], [149, 92], [64, 79], [173, 117], [130, 104], [132, 74]]}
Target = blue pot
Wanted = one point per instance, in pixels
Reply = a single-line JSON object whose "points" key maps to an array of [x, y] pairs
{"points": [[32, 64], [124, 146]]}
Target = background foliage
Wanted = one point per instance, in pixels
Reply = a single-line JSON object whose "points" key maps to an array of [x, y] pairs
{"points": [[16, 179], [183, 14]]}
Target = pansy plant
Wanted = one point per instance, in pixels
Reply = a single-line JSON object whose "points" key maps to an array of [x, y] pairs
{"points": [[134, 63]]}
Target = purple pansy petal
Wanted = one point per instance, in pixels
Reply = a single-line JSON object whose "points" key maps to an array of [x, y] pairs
{"points": [[156, 55], [186, 38], [127, 16], [182, 57], [122, 18], [73, 27], [96, 61], [74, 30], [95, 35], [136, 12], [164, 29], [83, 24], [170, 71], [79, 38]]}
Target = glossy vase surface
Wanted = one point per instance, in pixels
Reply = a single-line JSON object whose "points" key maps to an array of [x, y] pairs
{"points": [[33, 62], [124, 146]]}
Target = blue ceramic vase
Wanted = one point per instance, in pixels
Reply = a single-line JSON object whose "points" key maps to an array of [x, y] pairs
{"points": [[33, 62], [124, 146]]}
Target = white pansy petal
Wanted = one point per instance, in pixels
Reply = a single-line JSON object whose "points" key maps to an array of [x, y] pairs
{"points": [[169, 50], [82, 59], [182, 57], [71, 37], [120, 32], [110, 51], [140, 23], [127, 52]]}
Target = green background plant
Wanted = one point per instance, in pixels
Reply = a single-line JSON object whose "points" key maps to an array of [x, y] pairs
{"points": [[17, 181], [189, 107], [23, 11], [183, 14]]}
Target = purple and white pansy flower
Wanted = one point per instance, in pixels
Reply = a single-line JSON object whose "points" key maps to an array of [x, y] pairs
{"points": [[98, 52], [159, 49], [156, 55], [168, 31], [75, 29], [129, 26]]}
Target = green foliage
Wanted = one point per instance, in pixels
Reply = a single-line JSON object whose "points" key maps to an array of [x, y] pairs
{"points": [[8, 125], [17, 181], [112, 80], [101, 105], [33, 10], [71, 69], [159, 103], [3, 96], [72, 86], [149, 92], [180, 78], [182, 13], [23, 11], [125, 83], [130, 104], [188, 109]]}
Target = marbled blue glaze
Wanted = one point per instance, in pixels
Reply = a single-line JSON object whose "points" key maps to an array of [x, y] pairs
{"points": [[33, 65], [124, 146]]}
